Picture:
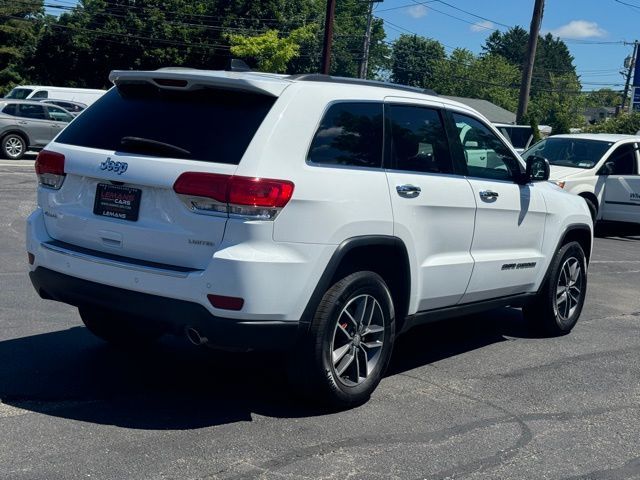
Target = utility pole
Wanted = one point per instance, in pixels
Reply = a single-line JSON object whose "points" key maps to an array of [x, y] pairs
{"points": [[328, 37], [632, 62], [367, 41], [527, 70]]}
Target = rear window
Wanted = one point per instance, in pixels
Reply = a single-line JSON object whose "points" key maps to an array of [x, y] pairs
{"points": [[208, 125]]}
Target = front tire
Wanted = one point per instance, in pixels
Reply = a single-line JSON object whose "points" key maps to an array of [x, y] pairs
{"points": [[347, 349], [112, 329], [559, 303], [13, 146]]}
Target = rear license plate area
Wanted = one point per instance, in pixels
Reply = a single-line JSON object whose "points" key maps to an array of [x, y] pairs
{"points": [[116, 201]]}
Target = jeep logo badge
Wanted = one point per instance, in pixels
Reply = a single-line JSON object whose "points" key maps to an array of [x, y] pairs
{"points": [[116, 167]]}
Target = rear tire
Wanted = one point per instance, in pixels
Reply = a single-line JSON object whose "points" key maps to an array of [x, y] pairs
{"points": [[345, 353], [106, 326], [559, 302], [13, 146]]}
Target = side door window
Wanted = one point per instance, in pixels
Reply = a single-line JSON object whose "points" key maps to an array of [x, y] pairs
{"points": [[34, 112], [418, 140], [350, 134], [40, 94], [58, 114], [622, 185], [623, 160], [484, 153]]}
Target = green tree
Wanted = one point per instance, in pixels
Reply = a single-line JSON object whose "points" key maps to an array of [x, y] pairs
{"points": [[488, 77], [625, 123], [19, 31], [604, 97], [271, 52], [416, 60], [552, 55], [561, 105]]}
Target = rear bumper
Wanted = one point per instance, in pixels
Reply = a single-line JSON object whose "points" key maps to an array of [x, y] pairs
{"points": [[175, 315]]}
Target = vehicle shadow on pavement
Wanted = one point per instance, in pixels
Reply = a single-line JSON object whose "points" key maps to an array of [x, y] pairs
{"points": [[174, 386], [436, 341], [623, 231]]}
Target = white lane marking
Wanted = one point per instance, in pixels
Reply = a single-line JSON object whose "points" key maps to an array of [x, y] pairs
{"points": [[9, 411], [17, 163], [615, 261]]}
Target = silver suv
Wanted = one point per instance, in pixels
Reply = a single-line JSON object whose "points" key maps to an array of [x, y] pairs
{"points": [[28, 125]]}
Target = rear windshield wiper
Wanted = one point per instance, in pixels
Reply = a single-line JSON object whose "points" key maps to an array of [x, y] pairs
{"points": [[147, 145]]}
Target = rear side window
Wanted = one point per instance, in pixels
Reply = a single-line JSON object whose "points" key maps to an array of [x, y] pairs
{"points": [[418, 140], [208, 125], [31, 111], [350, 133], [10, 109]]}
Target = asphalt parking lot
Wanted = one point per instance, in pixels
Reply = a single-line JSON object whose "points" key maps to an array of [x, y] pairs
{"points": [[479, 397]]}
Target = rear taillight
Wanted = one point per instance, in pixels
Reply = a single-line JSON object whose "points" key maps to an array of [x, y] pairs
{"points": [[256, 198], [50, 169]]}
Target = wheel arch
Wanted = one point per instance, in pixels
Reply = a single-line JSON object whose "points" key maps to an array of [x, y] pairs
{"points": [[593, 198], [385, 255], [21, 133]]}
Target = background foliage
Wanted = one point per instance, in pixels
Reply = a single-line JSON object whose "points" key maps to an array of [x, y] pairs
{"points": [[83, 44]]}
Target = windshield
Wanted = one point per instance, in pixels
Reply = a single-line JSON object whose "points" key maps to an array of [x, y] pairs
{"points": [[569, 152], [19, 93]]}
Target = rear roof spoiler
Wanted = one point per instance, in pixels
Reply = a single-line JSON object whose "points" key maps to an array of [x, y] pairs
{"points": [[192, 79]]}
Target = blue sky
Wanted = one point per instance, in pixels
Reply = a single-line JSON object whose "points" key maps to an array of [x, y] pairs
{"points": [[585, 25], [593, 29]]}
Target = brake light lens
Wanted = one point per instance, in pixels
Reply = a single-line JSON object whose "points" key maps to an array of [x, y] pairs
{"points": [[256, 198], [50, 169]]}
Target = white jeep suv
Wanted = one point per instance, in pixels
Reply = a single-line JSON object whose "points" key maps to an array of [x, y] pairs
{"points": [[311, 213]]}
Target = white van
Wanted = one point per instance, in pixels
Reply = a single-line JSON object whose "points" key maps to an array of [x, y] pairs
{"points": [[37, 92]]}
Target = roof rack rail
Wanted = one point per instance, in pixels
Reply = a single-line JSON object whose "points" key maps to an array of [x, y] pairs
{"points": [[319, 77]]}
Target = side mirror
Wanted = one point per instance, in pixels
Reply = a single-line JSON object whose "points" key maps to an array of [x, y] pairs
{"points": [[538, 169], [607, 169]]}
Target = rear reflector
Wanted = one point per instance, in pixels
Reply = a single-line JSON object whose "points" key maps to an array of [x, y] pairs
{"points": [[31, 257], [260, 198], [226, 303], [50, 169]]}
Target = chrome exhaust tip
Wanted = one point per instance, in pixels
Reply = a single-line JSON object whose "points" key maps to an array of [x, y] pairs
{"points": [[194, 336]]}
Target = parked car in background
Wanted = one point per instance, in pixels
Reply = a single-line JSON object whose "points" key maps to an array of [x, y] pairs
{"points": [[521, 136], [601, 168], [28, 125], [38, 92], [74, 108]]}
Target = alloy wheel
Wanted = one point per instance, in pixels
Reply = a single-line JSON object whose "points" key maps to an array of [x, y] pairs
{"points": [[357, 341], [569, 288], [13, 147]]}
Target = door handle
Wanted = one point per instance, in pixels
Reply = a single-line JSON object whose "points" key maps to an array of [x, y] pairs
{"points": [[408, 191], [488, 195]]}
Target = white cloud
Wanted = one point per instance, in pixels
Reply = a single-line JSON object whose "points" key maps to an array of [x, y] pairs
{"points": [[417, 11], [579, 29], [482, 26]]}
